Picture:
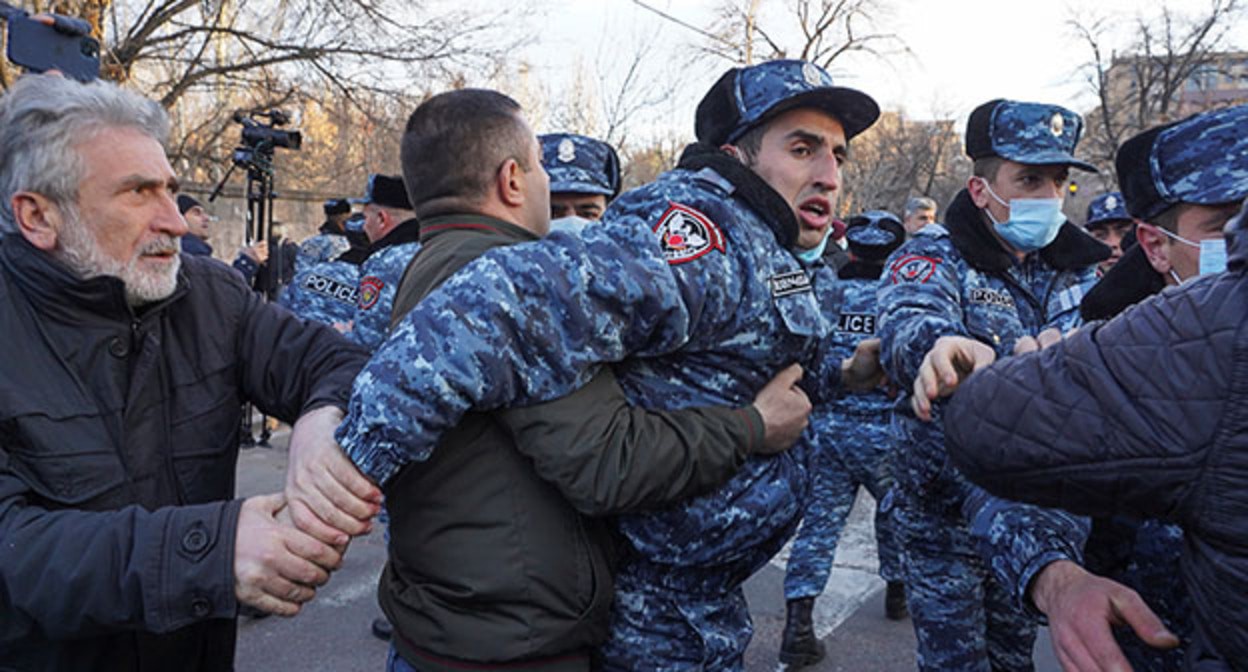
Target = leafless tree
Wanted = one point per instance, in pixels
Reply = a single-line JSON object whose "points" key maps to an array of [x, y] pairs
{"points": [[898, 158], [819, 31], [174, 47], [1150, 77]]}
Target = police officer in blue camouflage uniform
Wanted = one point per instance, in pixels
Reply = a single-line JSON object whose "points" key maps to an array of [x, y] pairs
{"points": [[851, 442], [1182, 181], [700, 288], [1109, 223], [395, 234], [584, 177], [330, 241], [1004, 267], [325, 292], [328, 291]]}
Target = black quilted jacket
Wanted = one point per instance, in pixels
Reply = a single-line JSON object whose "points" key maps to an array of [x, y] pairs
{"points": [[1145, 415]]}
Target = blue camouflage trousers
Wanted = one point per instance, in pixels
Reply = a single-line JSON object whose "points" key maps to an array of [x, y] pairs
{"points": [[965, 621], [658, 630], [849, 453]]}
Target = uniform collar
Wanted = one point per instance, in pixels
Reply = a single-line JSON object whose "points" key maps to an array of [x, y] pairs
{"points": [[436, 226], [1130, 281], [754, 190], [1072, 249], [408, 231]]}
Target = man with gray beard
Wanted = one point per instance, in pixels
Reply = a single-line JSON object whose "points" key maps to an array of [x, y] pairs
{"points": [[120, 547]]}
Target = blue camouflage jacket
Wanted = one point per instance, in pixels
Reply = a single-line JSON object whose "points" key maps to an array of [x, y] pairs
{"points": [[379, 279], [956, 279], [324, 246], [850, 303], [683, 283], [325, 292]]}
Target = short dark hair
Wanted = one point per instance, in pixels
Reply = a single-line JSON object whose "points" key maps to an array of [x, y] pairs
{"points": [[1168, 219], [752, 142], [453, 144], [987, 167]]}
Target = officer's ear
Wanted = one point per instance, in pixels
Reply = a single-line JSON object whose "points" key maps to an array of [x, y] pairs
{"points": [[509, 183], [38, 218], [976, 186], [735, 152], [1156, 246]]}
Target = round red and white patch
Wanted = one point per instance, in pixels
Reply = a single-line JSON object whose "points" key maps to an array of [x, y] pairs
{"points": [[686, 234]]}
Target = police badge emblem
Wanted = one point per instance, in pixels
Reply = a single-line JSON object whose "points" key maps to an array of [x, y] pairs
{"points": [[1057, 125], [811, 74], [1111, 202], [567, 150], [370, 291], [686, 234]]}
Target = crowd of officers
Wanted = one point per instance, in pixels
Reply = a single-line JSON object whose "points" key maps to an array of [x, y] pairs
{"points": [[591, 416]]}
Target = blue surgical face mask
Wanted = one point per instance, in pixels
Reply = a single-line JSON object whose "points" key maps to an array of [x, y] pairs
{"points": [[1033, 222], [812, 255], [571, 224], [1212, 254]]}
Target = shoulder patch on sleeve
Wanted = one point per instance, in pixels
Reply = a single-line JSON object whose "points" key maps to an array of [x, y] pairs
{"points": [[370, 291], [913, 268], [686, 234]]}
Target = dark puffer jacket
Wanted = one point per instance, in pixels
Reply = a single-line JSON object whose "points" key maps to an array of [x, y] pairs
{"points": [[118, 442], [1145, 415]]}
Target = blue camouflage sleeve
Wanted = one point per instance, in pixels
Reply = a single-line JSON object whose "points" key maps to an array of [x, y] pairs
{"points": [[919, 301], [1066, 316], [1019, 540], [523, 324]]}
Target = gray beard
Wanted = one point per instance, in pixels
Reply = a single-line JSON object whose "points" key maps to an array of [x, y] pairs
{"points": [[78, 249]]}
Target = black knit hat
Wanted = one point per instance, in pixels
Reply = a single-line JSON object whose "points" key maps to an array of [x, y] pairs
{"points": [[186, 202]]}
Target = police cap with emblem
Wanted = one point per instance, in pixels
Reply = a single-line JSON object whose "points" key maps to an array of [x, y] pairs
{"points": [[580, 165], [874, 234], [336, 206], [745, 98], [1202, 160], [387, 191], [1032, 133], [1106, 208]]}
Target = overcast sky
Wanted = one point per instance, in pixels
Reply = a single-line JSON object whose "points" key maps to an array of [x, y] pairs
{"points": [[960, 52]]}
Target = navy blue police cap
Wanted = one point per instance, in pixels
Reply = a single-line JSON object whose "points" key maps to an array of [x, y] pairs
{"points": [[385, 190], [1036, 134], [581, 165], [336, 206], [1111, 207], [745, 98], [1202, 160], [874, 234]]}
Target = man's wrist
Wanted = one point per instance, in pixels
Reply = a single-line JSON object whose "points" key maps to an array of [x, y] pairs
{"points": [[1052, 581]]}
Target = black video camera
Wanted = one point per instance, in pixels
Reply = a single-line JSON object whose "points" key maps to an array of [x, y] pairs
{"points": [[260, 139]]}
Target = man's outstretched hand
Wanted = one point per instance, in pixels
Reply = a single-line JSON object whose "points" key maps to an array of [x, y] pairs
{"points": [[328, 497], [950, 361], [1082, 609]]}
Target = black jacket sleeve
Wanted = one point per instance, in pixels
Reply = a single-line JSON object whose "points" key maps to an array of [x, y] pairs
{"points": [[608, 457], [290, 366], [1119, 418], [67, 574]]}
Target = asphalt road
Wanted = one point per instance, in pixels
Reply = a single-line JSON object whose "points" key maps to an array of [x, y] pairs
{"points": [[332, 632]]}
